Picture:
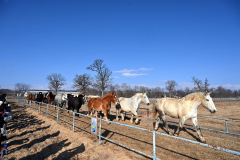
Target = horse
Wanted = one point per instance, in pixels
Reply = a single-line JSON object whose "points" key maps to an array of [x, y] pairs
{"points": [[131, 105], [60, 99], [75, 102], [102, 104], [50, 97], [183, 109], [29, 97]]}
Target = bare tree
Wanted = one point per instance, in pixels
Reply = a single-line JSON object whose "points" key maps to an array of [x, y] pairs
{"points": [[220, 91], [82, 82], [19, 87], [206, 85], [143, 89], [198, 86], [124, 87], [103, 78], [55, 81], [170, 86]]}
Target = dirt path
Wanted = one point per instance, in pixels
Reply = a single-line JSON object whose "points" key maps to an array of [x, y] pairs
{"points": [[32, 136], [82, 145]]}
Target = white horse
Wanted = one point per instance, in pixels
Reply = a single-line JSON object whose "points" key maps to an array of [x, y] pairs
{"points": [[183, 109], [131, 105]]}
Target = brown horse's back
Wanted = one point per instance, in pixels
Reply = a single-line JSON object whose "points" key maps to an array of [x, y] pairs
{"points": [[95, 103], [29, 96]]}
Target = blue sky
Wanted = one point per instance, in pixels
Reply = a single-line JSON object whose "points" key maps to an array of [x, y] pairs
{"points": [[143, 42]]}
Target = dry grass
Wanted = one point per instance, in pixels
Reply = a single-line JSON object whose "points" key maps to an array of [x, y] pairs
{"points": [[48, 140]]}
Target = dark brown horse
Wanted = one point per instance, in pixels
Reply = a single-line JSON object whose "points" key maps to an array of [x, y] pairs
{"points": [[50, 97], [102, 104]]}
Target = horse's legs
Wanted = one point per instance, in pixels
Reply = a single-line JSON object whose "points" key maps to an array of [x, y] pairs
{"points": [[117, 114], [181, 123], [195, 123], [136, 114], [122, 115], [105, 112], [131, 120], [166, 125], [157, 122]]}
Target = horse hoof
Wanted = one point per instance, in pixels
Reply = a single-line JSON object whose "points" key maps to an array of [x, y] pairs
{"points": [[136, 122], [203, 140]]}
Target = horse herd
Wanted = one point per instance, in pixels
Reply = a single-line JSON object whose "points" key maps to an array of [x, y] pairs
{"points": [[183, 109]]}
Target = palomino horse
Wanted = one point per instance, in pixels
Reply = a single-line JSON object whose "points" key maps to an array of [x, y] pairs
{"points": [[102, 104], [183, 109], [131, 105]]}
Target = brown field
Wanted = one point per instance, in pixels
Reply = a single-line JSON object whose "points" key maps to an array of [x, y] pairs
{"points": [[33, 136]]}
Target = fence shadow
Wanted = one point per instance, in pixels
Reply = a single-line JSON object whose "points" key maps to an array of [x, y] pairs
{"points": [[47, 151]]}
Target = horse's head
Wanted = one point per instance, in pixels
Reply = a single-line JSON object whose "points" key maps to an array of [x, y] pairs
{"points": [[64, 97], [145, 99], [114, 98], [207, 102]]}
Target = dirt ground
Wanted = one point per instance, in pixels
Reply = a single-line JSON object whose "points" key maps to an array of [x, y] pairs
{"points": [[34, 136]]}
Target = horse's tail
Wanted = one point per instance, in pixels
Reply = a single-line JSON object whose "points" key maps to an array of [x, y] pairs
{"points": [[154, 109]]}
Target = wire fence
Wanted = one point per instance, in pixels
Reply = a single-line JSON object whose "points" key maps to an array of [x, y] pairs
{"points": [[215, 99], [22, 101]]}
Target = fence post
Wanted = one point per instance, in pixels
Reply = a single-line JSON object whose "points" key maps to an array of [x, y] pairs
{"points": [[39, 104], [57, 114], [226, 127], [34, 105], [73, 121], [100, 126], [154, 144], [148, 113], [47, 110], [30, 104]]}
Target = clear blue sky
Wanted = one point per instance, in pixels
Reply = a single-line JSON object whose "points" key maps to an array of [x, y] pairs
{"points": [[143, 42]]}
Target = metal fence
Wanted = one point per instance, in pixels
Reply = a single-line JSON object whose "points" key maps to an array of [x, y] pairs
{"points": [[23, 101], [224, 119]]}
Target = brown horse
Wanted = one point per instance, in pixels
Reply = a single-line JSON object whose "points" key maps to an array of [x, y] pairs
{"points": [[50, 97], [34, 97], [102, 104], [29, 97]]}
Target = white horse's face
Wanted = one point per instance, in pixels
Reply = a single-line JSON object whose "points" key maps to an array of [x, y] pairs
{"points": [[207, 102], [64, 97], [145, 99]]}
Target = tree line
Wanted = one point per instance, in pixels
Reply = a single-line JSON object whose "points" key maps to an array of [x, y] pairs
{"points": [[102, 83]]}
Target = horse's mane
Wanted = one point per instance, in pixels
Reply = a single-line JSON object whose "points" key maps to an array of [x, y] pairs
{"points": [[137, 94], [194, 97], [108, 94]]}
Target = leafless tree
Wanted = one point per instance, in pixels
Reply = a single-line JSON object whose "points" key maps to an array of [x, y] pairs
{"points": [[19, 87], [103, 78], [198, 86], [55, 81], [124, 87], [170, 86], [143, 89], [206, 85], [82, 82], [187, 91], [220, 91]]}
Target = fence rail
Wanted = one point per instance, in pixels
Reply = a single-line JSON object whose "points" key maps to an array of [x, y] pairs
{"points": [[23, 101], [225, 119]]}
